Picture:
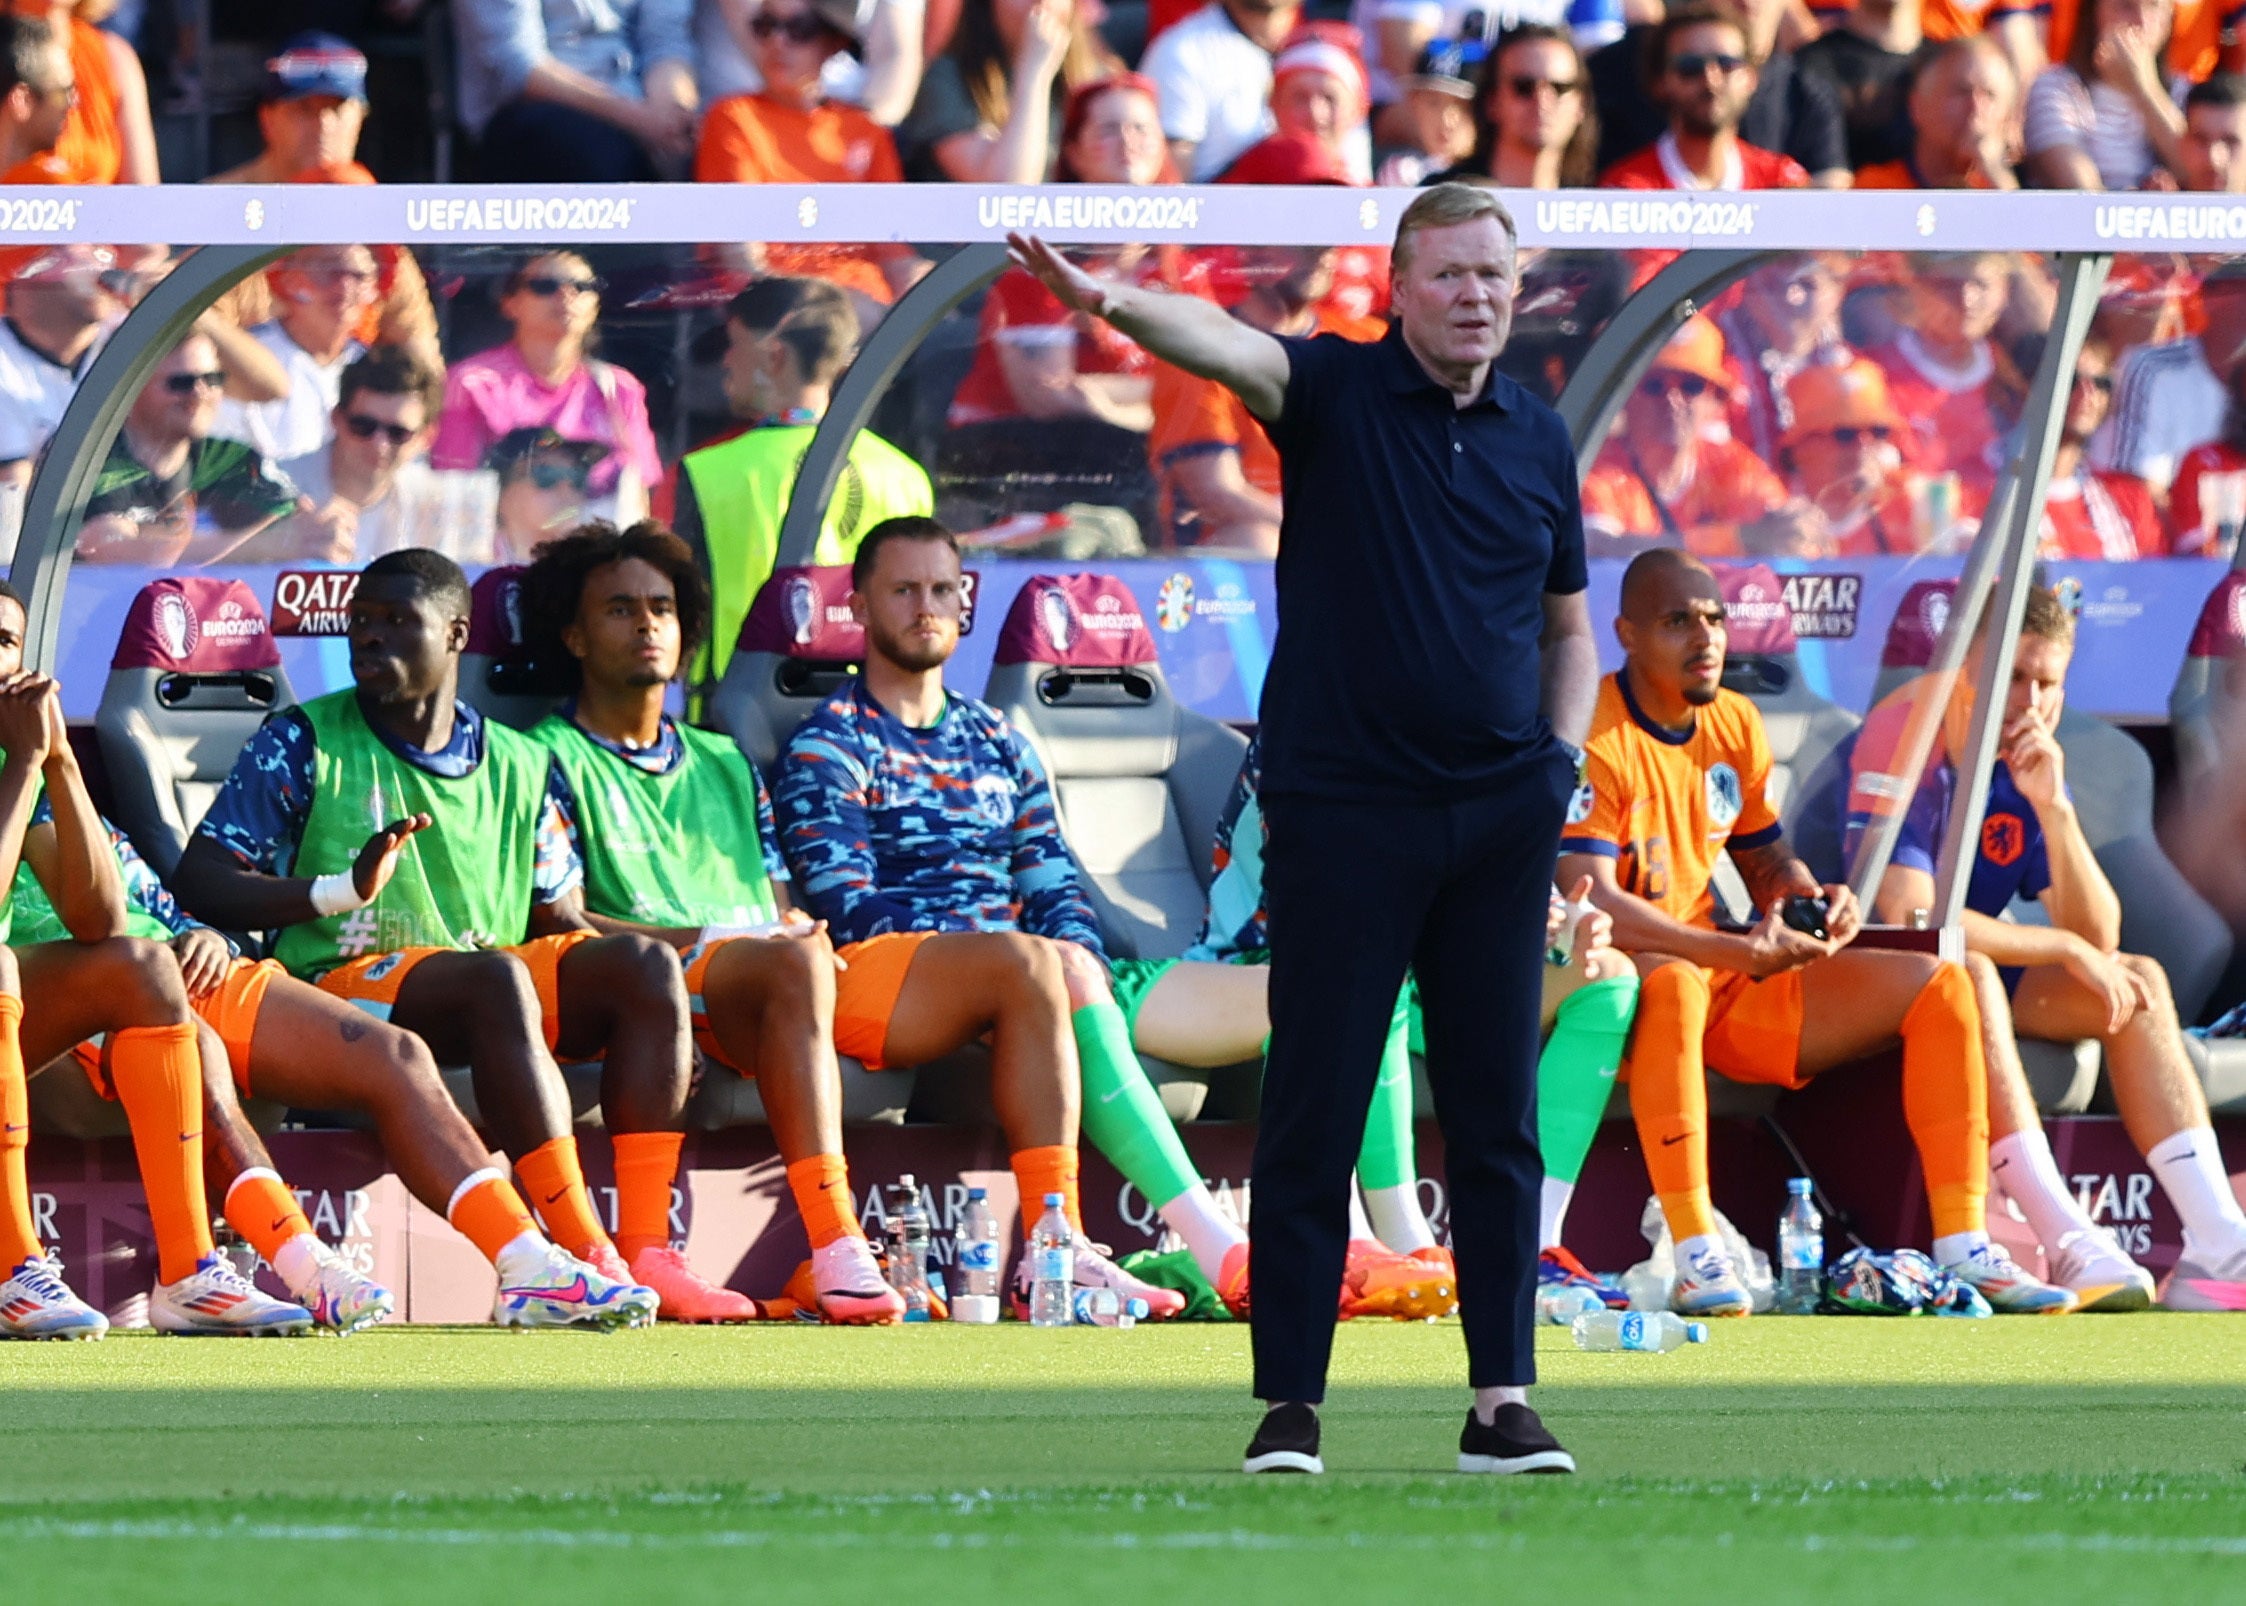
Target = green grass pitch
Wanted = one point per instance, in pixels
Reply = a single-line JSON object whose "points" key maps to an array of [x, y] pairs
{"points": [[2084, 1458]]}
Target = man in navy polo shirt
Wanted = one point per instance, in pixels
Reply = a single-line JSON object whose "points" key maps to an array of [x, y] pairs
{"points": [[1433, 678], [2062, 981]]}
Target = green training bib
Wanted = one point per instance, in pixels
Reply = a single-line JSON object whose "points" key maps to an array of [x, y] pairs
{"points": [[30, 916], [666, 850], [466, 882]]}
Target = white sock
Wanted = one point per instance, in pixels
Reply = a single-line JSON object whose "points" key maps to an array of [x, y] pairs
{"points": [[2021, 1164], [1193, 1215], [298, 1262], [1360, 1225], [1552, 1212], [523, 1256], [2190, 1167], [1398, 1220], [1954, 1249]]}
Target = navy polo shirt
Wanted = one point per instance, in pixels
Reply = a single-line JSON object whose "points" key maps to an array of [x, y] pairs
{"points": [[1417, 543]]}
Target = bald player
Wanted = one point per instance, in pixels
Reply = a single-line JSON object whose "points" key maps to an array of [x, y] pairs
{"points": [[1675, 773]]}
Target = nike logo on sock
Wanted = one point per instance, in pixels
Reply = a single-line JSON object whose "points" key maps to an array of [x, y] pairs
{"points": [[1679, 1138], [557, 1196], [278, 1225]]}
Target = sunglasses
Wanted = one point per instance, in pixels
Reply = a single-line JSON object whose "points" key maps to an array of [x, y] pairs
{"points": [[1697, 65], [365, 429], [1858, 434], [799, 29], [551, 476], [545, 284], [1526, 86], [2101, 383], [188, 384], [1691, 386]]}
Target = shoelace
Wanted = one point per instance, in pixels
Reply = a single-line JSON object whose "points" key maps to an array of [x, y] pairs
{"points": [[39, 1277], [1711, 1265]]}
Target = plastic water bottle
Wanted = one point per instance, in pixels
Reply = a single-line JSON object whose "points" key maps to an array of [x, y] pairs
{"points": [[1801, 1251], [1562, 1303], [1103, 1307], [1652, 1331], [975, 1262], [1052, 1267], [908, 1250]]}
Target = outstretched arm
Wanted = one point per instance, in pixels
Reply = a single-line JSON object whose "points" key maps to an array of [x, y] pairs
{"points": [[1198, 336]]}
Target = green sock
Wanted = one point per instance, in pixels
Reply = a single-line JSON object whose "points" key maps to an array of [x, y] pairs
{"points": [[1575, 1074], [1123, 1117], [1386, 1158]]}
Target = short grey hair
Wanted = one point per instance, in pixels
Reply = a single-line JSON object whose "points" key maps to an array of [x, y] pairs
{"points": [[1442, 206]]}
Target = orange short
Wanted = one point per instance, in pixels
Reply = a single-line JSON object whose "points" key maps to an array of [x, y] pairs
{"points": [[865, 995], [230, 1009], [373, 983], [1754, 1028]]}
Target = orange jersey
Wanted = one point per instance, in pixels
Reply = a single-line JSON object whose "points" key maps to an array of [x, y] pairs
{"points": [[91, 149], [750, 139], [1664, 806], [1730, 486]]}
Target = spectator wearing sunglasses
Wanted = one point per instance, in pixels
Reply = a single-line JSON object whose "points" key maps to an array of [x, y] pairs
{"points": [[2095, 515], [791, 132], [172, 492], [371, 475], [1785, 318], [317, 296], [1668, 474], [1702, 72], [108, 137], [561, 91], [1964, 114], [543, 490], [547, 378], [1842, 454], [1535, 127]]}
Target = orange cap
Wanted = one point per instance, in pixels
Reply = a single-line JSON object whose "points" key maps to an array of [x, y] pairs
{"points": [[1828, 397], [1696, 348]]}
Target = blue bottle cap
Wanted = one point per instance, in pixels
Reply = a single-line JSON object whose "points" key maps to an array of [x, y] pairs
{"points": [[1696, 1332], [978, 1193], [1052, 1201], [1800, 1186]]}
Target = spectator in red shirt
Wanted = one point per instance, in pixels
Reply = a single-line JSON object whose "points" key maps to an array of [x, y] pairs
{"points": [[1699, 69], [1670, 474], [1319, 88], [2207, 503], [2095, 515], [1785, 319], [1940, 365]]}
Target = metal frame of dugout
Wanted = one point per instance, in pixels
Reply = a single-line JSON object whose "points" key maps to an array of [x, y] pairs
{"points": [[1996, 571]]}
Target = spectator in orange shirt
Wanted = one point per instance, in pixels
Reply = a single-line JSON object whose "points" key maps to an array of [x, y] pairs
{"points": [[109, 136], [37, 90], [2095, 515], [1964, 111], [1940, 364], [790, 132], [1216, 469], [310, 112], [1699, 67], [1670, 474]]}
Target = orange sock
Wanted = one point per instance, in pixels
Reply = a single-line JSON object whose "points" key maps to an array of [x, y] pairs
{"points": [[556, 1184], [1038, 1172], [821, 1186], [19, 1237], [260, 1207], [1669, 1095], [158, 1071], [489, 1213], [1946, 1100], [646, 1166]]}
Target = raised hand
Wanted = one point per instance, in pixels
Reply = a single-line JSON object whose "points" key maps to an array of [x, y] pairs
{"points": [[1072, 287], [378, 860]]}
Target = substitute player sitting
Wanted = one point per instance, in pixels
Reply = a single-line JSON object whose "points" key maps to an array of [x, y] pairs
{"points": [[676, 835], [2064, 981], [1675, 773], [411, 857], [920, 827]]}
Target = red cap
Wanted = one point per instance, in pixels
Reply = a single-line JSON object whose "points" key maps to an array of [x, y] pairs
{"points": [[1286, 159]]}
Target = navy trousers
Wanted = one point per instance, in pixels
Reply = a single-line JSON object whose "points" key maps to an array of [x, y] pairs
{"points": [[1356, 893]]}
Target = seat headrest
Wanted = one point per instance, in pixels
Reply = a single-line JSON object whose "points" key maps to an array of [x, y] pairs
{"points": [[495, 611], [1755, 611], [1919, 621], [2221, 630], [198, 624], [1076, 621], [804, 613]]}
